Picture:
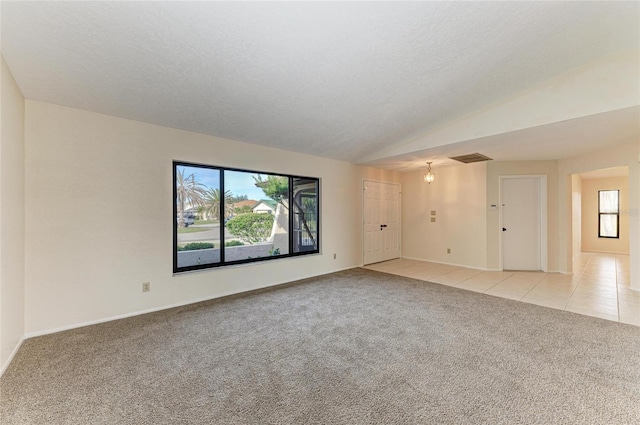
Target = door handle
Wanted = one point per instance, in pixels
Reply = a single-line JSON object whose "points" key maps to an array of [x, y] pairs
{"points": [[382, 225], [504, 229]]}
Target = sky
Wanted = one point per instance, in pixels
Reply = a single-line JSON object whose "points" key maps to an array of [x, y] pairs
{"points": [[238, 182]]}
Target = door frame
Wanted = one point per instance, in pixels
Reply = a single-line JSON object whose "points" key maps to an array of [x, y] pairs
{"points": [[362, 187], [542, 181]]}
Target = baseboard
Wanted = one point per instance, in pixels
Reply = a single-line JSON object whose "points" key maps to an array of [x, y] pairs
{"points": [[484, 269], [604, 252], [11, 356], [166, 307], [452, 264]]}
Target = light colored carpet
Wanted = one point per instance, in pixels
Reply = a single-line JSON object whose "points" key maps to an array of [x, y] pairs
{"points": [[356, 347]]}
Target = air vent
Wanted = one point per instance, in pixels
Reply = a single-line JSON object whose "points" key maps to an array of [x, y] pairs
{"points": [[472, 157]]}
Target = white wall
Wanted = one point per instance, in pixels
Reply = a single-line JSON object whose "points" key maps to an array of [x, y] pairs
{"points": [[622, 155], [99, 216], [462, 196], [634, 220], [458, 195], [457, 221], [495, 169], [12, 207], [576, 213], [590, 240]]}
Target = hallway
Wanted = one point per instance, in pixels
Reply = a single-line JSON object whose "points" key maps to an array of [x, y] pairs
{"points": [[599, 286]]}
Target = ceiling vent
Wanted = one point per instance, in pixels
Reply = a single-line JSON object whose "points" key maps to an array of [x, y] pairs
{"points": [[472, 157]]}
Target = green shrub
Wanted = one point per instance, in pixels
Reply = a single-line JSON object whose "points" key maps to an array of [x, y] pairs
{"points": [[192, 246], [245, 209], [251, 228], [234, 243]]}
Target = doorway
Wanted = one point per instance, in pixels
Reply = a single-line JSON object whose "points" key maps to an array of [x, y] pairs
{"points": [[381, 221], [523, 222], [587, 226]]}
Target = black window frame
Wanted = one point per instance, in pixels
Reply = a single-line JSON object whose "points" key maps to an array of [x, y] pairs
{"points": [[617, 214], [222, 263]]}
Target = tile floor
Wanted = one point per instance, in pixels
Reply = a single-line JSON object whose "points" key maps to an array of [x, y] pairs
{"points": [[599, 285]]}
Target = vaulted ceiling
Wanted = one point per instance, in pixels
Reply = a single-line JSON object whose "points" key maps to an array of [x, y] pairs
{"points": [[368, 82]]}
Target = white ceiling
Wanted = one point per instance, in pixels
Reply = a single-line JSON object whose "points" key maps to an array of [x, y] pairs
{"points": [[606, 173], [340, 80], [562, 139]]}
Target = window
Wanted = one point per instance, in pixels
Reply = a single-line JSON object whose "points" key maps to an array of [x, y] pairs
{"points": [[305, 210], [229, 216], [609, 213]]}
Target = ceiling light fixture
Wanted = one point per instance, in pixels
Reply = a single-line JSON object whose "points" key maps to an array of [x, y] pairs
{"points": [[429, 177]]}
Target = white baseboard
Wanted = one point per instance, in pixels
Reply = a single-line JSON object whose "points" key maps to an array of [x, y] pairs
{"points": [[13, 353], [112, 318], [165, 307], [452, 264], [604, 252], [485, 269]]}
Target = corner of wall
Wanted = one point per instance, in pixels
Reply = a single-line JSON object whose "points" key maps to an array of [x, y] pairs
{"points": [[457, 199], [12, 224], [626, 154]]}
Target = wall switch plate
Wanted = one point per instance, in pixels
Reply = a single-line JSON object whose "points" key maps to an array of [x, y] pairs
{"points": [[146, 286], [433, 219], [433, 212], [448, 250]]}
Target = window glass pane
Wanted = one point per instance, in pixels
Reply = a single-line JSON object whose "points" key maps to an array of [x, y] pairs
{"points": [[608, 201], [227, 216], [257, 218], [305, 219], [609, 225], [197, 216]]}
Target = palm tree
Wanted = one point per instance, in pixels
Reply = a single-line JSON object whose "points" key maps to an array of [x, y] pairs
{"points": [[211, 203], [189, 191]]}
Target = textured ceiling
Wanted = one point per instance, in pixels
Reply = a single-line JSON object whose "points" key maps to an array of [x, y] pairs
{"points": [[339, 80], [559, 140]]}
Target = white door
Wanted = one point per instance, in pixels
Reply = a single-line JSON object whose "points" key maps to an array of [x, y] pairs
{"points": [[372, 235], [390, 221], [521, 223], [381, 208]]}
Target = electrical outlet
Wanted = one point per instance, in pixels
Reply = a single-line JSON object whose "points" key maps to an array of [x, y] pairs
{"points": [[146, 286], [334, 255], [448, 250]]}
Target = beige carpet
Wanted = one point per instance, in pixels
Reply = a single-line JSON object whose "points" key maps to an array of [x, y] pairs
{"points": [[356, 347]]}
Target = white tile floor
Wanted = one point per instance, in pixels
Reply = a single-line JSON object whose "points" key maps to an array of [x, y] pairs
{"points": [[598, 287]]}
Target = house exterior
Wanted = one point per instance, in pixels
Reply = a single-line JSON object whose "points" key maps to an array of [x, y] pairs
{"points": [[250, 203], [265, 206]]}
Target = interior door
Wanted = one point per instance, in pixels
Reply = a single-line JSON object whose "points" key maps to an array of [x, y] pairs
{"points": [[521, 223], [390, 221], [372, 235], [381, 221]]}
